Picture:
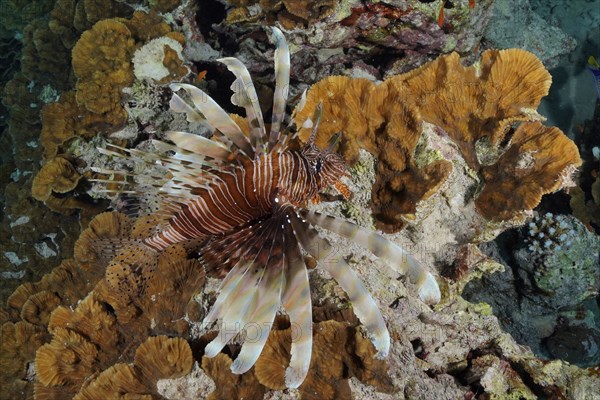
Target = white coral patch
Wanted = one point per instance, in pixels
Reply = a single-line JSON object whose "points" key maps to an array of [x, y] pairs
{"points": [[148, 60]]}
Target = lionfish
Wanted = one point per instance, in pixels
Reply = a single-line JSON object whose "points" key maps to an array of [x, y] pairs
{"points": [[245, 195]]}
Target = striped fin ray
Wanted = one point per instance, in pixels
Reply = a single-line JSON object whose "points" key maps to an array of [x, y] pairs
{"points": [[297, 303], [177, 104], [399, 260], [242, 305], [228, 289], [183, 172], [363, 304], [216, 117], [268, 299], [282, 82], [244, 95], [289, 133], [185, 161], [199, 145]]}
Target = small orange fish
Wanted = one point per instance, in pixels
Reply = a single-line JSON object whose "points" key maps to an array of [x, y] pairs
{"points": [[440, 20], [471, 3], [201, 75]]}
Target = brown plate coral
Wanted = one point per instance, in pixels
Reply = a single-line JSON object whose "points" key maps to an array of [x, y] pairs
{"points": [[475, 107]]}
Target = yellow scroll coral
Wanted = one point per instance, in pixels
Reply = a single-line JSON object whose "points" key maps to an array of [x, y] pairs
{"points": [[66, 119], [101, 63], [58, 176], [475, 106]]}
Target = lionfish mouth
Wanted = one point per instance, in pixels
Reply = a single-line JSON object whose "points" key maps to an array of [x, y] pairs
{"points": [[209, 195]]}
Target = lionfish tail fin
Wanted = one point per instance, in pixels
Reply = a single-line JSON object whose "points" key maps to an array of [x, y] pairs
{"points": [[363, 304], [395, 256], [129, 250]]}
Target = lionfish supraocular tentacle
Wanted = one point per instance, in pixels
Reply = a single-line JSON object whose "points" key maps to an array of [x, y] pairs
{"points": [[243, 195], [398, 259]]}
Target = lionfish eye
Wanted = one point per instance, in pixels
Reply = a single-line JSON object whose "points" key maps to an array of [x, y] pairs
{"points": [[318, 165]]}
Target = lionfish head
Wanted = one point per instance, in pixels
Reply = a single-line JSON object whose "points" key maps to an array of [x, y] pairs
{"points": [[327, 166]]}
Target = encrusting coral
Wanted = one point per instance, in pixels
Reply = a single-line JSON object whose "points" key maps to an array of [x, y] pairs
{"points": [[475, 106]]}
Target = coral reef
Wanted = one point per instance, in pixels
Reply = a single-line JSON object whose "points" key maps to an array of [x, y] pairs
{"points": [[361, 38], [16, 14], [102, 65], [564, 265], [160, 61], [543, 295], [537, 31], [475, 107], [456, 154], [102, 324], [34, 239], [69, 18], [88, 325]]}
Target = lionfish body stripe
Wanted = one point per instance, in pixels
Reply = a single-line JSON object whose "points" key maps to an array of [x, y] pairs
{"points": [[244, 195]]}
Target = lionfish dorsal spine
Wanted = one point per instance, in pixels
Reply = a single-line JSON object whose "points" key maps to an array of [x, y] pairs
{"points": [[216, 117], [244, 95], [199, 145], [282, 82]]}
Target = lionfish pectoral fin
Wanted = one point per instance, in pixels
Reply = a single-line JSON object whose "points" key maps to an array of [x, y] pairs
{"points": [[268, 292], [363, 304], [261, 321], [251, 282], [217, 117], [229, 286], [396, 257], [298, 305], [234, 317]]}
